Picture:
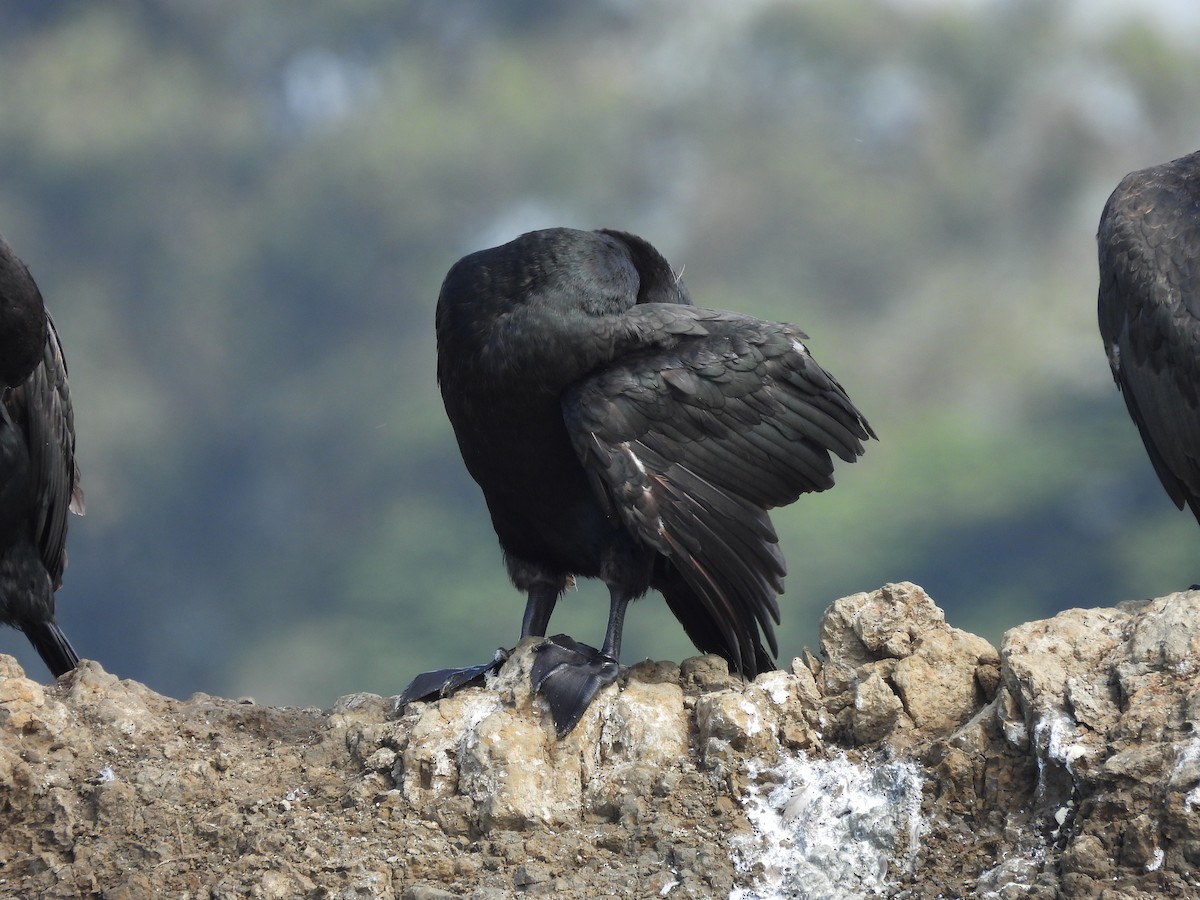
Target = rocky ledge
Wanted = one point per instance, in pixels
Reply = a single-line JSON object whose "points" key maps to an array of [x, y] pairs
{"points": [[910, 760]]}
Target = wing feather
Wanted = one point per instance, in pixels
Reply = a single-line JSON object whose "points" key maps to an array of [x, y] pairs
{"points": [[689, 443], [1149, 315], [42, 407]]}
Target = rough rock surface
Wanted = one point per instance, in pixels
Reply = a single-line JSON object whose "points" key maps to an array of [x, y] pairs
{"points": [[911, 760]]}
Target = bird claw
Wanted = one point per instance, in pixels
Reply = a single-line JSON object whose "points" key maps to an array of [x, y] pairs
{"points": [[569, 675], [443, 682]]}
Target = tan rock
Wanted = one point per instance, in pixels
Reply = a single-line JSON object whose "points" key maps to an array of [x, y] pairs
{"points": [[1067, 765]]}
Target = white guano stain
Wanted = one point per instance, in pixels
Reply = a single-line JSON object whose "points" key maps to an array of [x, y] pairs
{"points": [[828, 828]]}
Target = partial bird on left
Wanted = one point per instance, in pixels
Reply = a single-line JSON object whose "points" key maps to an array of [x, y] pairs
{"points": [[39, 479]]}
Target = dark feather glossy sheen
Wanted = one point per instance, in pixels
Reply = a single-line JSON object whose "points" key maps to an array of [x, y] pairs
{"points": [[619, 432], [1149, 314], [39, 481]]}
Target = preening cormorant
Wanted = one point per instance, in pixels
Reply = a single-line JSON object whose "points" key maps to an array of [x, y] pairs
{"points": [[39, 480], [619, 432], [1149, 310]]}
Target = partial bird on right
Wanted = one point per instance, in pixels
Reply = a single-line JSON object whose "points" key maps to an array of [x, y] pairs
{"points": [[1149, 307]]}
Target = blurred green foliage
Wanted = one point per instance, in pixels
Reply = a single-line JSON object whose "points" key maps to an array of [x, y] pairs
{"points": [[240, 216]]}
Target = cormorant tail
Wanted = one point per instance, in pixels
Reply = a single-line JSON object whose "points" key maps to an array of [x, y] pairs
{"points": [[52, 646]]}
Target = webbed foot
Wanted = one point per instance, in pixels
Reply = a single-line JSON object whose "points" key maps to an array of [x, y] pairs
{"points": [[569, 674], [444, 682]]}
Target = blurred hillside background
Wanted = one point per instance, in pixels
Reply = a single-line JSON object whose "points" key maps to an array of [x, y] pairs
{"points": [[240, 215]]}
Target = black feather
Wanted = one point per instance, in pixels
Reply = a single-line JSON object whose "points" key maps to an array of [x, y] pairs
{"points": [[619, 432], [39, 480], [1149, 315]]}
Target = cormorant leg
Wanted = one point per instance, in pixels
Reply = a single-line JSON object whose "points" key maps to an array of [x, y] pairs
{"points": [[618, 601], [569, 674], [444, 682], [539, 606]]}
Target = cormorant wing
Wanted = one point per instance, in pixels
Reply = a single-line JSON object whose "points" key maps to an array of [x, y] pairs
{"points": [[690, 442], [1149, 311], [41, 405]]}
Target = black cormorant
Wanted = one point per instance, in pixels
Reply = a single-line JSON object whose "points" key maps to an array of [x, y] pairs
{"points": [[619, 432], [1149, 310], [39, 480]]}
